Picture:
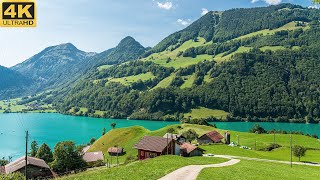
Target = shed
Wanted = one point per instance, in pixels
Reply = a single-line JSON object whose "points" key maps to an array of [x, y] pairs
{"points": [[115, 151]]}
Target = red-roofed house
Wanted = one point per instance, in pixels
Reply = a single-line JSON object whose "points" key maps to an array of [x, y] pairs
{"points": [[210, 137], [152, 146]]}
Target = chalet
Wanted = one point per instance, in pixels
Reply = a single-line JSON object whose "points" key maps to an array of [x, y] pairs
{"points": [[152, 146], [115, 151], [178, 138], [189, 150], [37, 168], [210, 137], [92, 157]]}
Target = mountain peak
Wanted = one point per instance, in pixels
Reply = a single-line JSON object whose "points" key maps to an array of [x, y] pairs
{"points": [[129, 41], [65, 46]]}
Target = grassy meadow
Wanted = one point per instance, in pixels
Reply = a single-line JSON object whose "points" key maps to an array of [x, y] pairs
{"points": [[148, 169]]}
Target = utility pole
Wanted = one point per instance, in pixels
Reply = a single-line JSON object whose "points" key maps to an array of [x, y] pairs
{"points": [[291, 150], [274, 137], [167, 144], [238, 140], [26, 158]]}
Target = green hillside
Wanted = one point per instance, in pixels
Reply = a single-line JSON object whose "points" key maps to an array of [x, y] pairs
{"points": [[124, 137], [160, 166], [265, 69]]}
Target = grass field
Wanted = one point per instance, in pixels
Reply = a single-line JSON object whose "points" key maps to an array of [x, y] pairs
{"points": [[247, 170], [103, 67], [202, 112], [188, 81], [265, 32], [221, 58], [272, 48], [165, 82], [147, 170], [130, 79], [124, 137]]}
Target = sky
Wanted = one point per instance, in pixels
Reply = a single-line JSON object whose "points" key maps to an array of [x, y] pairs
{"points": [[98, 25]]}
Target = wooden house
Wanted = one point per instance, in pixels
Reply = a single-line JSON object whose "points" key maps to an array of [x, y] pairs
{"points": [[152, 146], [210, 138], [189, 150], [37, 168]]}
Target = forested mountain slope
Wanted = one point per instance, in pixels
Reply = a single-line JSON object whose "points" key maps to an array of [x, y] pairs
{"points": [[63, 65], [12, 82], [265, 69]]}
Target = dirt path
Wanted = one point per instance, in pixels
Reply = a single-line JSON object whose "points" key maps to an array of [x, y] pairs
{"points": [[191, 172]]}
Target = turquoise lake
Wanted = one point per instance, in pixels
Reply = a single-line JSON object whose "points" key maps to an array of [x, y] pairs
{"points": [[52, 128]]}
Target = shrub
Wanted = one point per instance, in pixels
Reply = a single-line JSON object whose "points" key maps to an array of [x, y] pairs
{"points": [[271, 147]]}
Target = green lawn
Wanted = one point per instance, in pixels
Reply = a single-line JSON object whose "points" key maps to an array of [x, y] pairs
{"points": [[165, 82], [188, 81], [265, 32], [247, 170], [130, 79], [15, 107], [202, 112], [103, 67], [221, 58], [123, 137], [272, 48], [151, 169]]}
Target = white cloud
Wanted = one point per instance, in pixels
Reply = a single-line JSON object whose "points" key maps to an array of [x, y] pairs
{"points": [[314, 7], [166, 5], [184, 22], [271, 2], [204, 11]]}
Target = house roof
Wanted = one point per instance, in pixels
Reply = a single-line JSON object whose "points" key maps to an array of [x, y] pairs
{"points": [[153, 143], [85, 149], [93, 156], [118, 150], [20, 163], [189, 147], [215, 136]]}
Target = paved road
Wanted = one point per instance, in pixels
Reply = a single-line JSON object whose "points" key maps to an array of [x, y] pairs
{"points": [[266, 160], [191, 172]]}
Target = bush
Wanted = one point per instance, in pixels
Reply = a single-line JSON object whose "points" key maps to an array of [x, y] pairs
{"points": [[12, 176], [258, 129], [129, 159], [271, 147]]}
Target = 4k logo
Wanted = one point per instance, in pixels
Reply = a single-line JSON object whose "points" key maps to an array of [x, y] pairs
{"points": [[18, 13]]}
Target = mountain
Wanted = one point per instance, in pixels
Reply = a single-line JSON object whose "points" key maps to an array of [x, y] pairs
{"points": [[128, 49], [12, 82], [54, 65], [63, 65], [257, 64]]}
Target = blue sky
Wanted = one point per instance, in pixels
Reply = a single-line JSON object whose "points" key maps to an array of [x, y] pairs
{"points": [[97, 25]]}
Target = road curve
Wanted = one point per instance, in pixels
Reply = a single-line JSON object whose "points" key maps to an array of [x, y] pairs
{"points": [[191, 172]]}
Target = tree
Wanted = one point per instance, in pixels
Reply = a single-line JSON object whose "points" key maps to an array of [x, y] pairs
{"points": [[316, 1], [104, 131], [45, 153], [34, 148], [258, 129], [113, 125], [3, 162], [92, 140], [67, 158], [171, 130], [190, 135], [299, 151]]}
